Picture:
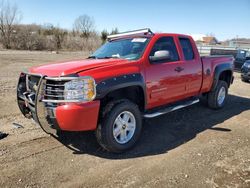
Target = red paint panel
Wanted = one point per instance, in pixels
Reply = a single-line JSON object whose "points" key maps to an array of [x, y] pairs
{"points": [[164, 84], [210, 63], [70, 67], [78, 117]]}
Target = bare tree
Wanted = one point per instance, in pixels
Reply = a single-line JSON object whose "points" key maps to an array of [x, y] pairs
{"points": [[59, 37], [84, 25], [57, 33], [9, 16]]}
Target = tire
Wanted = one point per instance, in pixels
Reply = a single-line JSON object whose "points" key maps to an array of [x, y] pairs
{"points": [[244, 80], [113, 118], [213, 97]]}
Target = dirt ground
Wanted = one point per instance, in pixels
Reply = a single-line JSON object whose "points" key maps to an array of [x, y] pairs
{"points": [[192, 147]]}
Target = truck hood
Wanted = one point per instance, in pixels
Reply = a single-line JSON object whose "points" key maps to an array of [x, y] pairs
{"points": [[72, 67]]}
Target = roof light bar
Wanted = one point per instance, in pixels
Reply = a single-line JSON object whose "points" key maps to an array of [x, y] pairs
{"points": [[140, 31]]}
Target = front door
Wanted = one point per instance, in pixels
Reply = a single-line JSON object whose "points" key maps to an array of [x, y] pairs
{"points": [[165, 79]]}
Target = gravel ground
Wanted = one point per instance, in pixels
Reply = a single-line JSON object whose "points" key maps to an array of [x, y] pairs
{"points": [[192, 147]]}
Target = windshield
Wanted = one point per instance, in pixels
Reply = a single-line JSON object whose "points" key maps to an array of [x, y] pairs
{"points": [[241, 54], [130, 49]]}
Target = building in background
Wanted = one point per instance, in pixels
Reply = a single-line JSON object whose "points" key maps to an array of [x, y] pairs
{"points": [[205, 39], [210, 40], [240, 43]]}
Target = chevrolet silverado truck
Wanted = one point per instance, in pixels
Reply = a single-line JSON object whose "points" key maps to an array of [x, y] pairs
{"points": [[134, 75]]}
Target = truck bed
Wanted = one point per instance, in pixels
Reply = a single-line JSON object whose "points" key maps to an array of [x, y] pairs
{"points": [[209, 63]]}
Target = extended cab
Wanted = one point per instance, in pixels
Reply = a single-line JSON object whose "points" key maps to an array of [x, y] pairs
{"points": [[135, 75]]}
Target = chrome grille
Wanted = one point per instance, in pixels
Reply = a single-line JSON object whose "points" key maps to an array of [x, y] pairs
{"points": [[38, 96], [54, 90]]}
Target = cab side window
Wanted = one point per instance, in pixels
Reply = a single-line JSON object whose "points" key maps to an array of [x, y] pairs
{"points": [[168, 44], [187, 48]]}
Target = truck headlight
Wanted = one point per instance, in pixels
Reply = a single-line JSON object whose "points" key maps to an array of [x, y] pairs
{"points": [[82, 89]]}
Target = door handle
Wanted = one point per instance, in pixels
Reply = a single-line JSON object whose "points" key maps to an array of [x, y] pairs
{"points": [[179, 69]]}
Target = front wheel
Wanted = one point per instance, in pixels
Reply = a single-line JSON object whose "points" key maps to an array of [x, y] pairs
{"points": [[217, 97], [120, 126]]}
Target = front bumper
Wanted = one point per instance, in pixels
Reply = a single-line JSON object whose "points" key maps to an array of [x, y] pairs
{"points": [[67, 116], [78, 117], [245, 75]]}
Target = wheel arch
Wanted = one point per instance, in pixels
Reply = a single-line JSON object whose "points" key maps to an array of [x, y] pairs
{"points": [[223, 72], [131, 87]]}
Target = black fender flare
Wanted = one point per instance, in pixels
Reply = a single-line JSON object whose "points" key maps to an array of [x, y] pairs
{"points": [[106, 86], [218, 70]]}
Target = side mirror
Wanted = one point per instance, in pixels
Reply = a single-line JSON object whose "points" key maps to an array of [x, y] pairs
{"points": [[160, 56]]}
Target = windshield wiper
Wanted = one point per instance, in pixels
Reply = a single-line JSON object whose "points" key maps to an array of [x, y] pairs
{"points": [[109, 57], [105, 57], [92, 57]]}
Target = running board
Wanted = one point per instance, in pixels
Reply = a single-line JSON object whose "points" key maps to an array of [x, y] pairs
{"points": [[171, 108]]}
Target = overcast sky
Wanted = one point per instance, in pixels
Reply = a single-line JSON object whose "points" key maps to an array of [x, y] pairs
{"points": [[224, 18]]}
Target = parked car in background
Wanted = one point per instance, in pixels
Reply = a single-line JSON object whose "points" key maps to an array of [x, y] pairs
{"points": [[135, 75], [245, 71], [240, 56]]}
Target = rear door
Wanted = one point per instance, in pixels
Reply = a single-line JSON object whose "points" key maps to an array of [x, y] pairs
{"points": [[192, 65], [165, 79]]}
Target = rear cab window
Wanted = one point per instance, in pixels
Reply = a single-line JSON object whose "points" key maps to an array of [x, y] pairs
{"points": [[187, 48]]}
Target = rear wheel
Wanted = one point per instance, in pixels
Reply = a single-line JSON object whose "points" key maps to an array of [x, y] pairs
{"points": [[120, 126], [217, 97]]}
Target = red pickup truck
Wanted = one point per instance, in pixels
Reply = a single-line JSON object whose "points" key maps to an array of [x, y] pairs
{"points": [[134, 75]]}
